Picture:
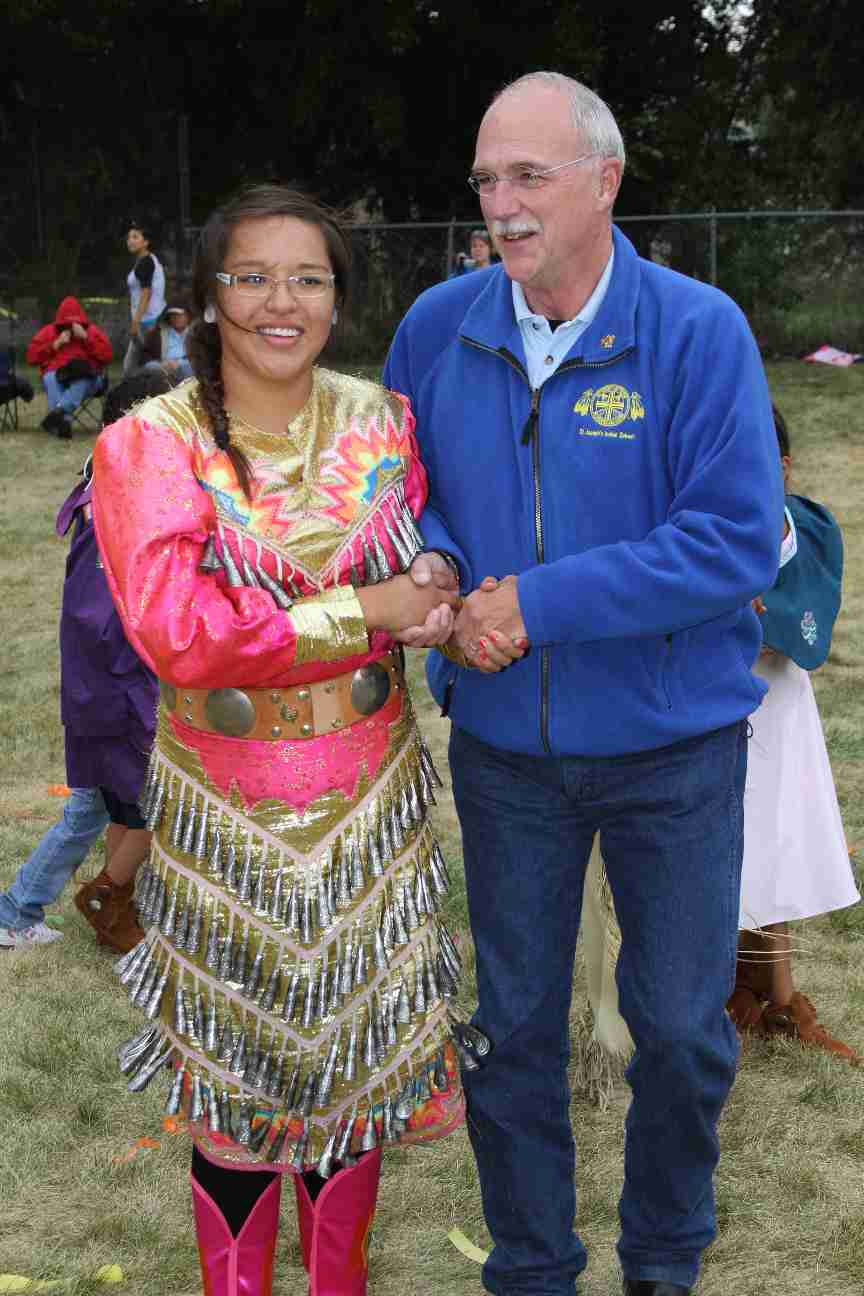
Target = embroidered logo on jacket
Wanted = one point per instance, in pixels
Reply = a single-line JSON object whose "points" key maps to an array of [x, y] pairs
{"points": [[809, 631], [611, 405]]}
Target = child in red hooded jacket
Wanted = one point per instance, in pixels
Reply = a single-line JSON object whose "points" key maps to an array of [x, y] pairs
{"points": [[71, 354]]}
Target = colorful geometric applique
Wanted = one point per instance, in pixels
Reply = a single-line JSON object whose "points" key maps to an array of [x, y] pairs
{"points": [[362, 461]]}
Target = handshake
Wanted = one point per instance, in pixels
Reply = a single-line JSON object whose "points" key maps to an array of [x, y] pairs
{"points": [[484, 631]]}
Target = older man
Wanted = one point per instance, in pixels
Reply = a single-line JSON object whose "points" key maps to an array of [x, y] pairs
{"points": [[598, 435]]}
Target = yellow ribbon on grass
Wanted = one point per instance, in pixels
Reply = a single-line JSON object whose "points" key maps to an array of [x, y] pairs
{"points": [[16, 1283], [469, 1249]]}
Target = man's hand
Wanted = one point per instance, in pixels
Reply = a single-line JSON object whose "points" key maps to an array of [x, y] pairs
{"points": [[489, 628], [79, 331], [62, 339], [432, 570]]}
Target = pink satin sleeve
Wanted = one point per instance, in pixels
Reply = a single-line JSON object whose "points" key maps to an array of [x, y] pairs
{"points": [[152, 520]]}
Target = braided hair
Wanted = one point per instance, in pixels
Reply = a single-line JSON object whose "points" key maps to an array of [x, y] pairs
{"points": [[204, 344]]}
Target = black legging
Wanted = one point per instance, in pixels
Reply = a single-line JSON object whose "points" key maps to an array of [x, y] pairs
{"points": [[235, 1192]]}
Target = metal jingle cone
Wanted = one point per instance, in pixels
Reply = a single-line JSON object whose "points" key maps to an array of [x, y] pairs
{"points": [[412, 917], [175, 1093], [225, 1114], [226, 1043], [271, 989], [197, 1023], [309, 1000], [321, 999], [381, 960], [180, 1024], [400, 932], [432, 991], [149, 789], [214, 863], [253, 1061], [387, 929], [244, 1123], [406, 819], [445, 940], [422, 1091], [427, 792], [200, 848], [193, 938], [405, 536], [419, 993], [387, 1120], [390, 1036], [440, 861], [325, 918], [331, 886], [211, 957], [415, 809], [440, 1077], [141, 972], [358, 880], [226, 959], [238, 971], [343, 1145], [335, 996], [397, 832], [379, 1031], [146, 987], [291, 995], [306, 915], [189, 827], [141, 1080], [292, 913], [325, 1083], [237, 1063], [298, 1156], [214, 1119], [290, 1095], [181, 932], [445, 959], [370, 1053], [228, 867], [277, 899], [428, 764], [125, 967], [403, 554], [260, 1132], [420, 894], [135, 1048], [144, 884], [349, 1066], [371, 574], [274, 1152], [376, 864], [404, 1106], [446, 982], [176, 834], [439, 882], [159, 894], [306, 1100], [259, 903], [369, 1141], [345, 976], [134, 1059], [232, 574], [360, 976], [154, 1003], [381, 560], [154, 817], [211, 1025], [253, 980], [250, 580], [325, 1162], [403, 1006], [169, 918], [276, 1078], [278, 594], [210, 560], [385, 841], [343, 884], [244, 889]]}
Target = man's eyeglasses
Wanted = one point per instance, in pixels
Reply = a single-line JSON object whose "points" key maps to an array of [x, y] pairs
{"points": [[484, 182], [261, 285]]}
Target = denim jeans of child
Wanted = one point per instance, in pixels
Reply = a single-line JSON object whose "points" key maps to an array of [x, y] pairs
{"points": [[40, 880], [670, 824]]}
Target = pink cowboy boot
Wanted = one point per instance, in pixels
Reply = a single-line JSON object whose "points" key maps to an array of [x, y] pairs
{"points": [[242, 1265], [334, 1229]]}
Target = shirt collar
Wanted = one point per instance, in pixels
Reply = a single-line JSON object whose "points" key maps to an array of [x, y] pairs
{"points": [[588, 312]]}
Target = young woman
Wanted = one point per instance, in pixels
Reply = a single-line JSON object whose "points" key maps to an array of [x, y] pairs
{"points": [[146, 283], [256, 528]]}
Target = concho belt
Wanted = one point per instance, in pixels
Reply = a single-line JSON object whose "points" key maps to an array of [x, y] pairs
{"points": [[281, 714]]}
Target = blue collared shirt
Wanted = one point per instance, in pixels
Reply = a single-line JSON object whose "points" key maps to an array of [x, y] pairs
{"points": [[544, 350]]}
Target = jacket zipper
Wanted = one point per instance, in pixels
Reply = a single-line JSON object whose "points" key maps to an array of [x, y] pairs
{"points": [[531, 436]]}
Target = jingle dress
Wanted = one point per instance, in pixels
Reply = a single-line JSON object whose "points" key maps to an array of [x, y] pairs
{"points": [[296, 970]]}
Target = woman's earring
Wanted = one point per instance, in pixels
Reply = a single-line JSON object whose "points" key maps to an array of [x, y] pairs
{"points": [[210, 314], [334, 318]]}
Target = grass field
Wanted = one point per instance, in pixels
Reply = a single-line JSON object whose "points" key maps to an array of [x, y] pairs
{"points": [[74, 1192]]}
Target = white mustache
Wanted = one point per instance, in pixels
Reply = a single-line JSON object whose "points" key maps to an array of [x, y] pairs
{"points": [[501, 229]]}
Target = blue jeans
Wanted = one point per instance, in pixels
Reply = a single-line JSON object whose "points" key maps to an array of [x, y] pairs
{"points": [[41, 879], [670, 823], [68, 398]]}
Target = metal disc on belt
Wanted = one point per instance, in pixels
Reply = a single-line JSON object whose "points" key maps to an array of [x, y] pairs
{"points": [[168, 694], [370, 688], [229, 711]]}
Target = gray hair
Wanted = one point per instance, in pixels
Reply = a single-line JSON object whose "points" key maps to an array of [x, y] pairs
{"points": [[592, 118]]}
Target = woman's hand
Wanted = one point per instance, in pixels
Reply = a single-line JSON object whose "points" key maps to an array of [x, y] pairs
{"points": [[397, 604]]}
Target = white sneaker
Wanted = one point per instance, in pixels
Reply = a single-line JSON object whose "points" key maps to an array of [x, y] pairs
{"points": [[24, 937]]}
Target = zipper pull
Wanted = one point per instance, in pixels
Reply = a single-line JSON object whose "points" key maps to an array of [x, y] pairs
{"points": [[533, 418]]}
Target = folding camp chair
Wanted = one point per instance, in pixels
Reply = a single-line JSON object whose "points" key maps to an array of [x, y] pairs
{"points": [[9, 408], [86, 416]]}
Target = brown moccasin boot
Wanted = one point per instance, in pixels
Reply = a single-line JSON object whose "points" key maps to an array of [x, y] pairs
{"points": [[745, 1009], [797, 1020], [110, 911]]}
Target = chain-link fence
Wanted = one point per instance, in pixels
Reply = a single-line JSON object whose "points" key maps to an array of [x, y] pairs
{"points": [[799, 276]]}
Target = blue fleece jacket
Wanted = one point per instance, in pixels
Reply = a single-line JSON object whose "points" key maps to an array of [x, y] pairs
{"points": [[637, 495]]}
